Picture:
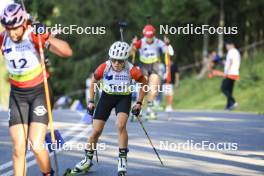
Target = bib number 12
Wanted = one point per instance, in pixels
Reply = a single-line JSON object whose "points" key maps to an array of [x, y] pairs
{"points": [[21, 63]]}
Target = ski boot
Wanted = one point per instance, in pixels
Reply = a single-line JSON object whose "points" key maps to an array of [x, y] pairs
{"points": [[81, 168], [122, 162], [122, 166]]}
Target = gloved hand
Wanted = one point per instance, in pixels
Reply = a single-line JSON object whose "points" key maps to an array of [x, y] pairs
{"points": [[41, 29], [90, 108], [136, 109], [166, 40]]}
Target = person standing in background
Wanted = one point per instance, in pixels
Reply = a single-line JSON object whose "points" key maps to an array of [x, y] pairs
{"points": [[173, 85], [231, 74]]}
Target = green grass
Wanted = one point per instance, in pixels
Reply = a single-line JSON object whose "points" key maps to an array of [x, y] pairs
{"points": [[4, 85], [205, 93]]}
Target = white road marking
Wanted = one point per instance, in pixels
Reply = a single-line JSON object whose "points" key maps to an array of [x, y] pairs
{"points": [[77, 127], [33, 162]]}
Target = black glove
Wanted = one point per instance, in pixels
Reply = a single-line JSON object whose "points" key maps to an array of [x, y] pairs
{"points": [[90, 110], [40, 28], [136, 110]]}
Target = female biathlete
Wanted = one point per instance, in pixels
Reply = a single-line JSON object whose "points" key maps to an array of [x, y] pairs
{"points": [[116, 75], [28, 116]]}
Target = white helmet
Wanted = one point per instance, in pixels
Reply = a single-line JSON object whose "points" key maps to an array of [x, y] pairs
{"points": [[119, 50], [13, 16]]}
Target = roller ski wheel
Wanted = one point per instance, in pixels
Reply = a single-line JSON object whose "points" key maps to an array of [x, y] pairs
{"points": [[76, 171], [69, 172], [122, 173]]}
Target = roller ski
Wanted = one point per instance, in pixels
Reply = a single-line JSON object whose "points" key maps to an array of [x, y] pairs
{"points": [[78, 170], [82, 167]]}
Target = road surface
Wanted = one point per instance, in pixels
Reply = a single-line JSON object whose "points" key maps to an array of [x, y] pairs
{"points": [[174, 136]]}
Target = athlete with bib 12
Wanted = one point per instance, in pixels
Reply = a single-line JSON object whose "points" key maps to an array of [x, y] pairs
{"points": [[28, 116]]}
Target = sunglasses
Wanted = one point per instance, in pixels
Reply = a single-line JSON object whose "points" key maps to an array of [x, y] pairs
{"points": [[118, 61]]}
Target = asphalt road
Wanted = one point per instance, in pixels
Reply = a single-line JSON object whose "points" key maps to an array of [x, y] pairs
{"points": [[174, 136]]}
